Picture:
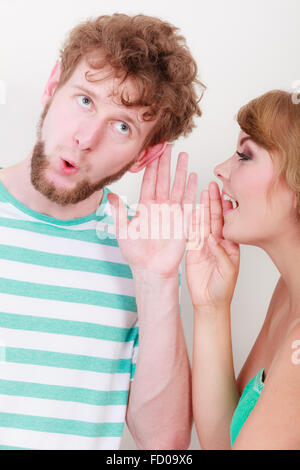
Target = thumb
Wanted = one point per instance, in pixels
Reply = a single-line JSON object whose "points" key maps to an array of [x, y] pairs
{"points": [[221, 256], [119, 213]]}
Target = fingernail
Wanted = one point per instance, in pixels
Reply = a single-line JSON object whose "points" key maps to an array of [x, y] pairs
{"points": [[212, 239]]}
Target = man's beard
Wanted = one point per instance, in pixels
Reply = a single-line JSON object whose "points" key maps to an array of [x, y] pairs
{"points": [[63, 197]]}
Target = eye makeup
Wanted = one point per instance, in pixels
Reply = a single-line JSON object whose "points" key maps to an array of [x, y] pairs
{"points": [[243, 156]]}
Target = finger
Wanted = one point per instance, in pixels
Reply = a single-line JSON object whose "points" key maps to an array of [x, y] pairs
{"points": [[149, 182], [163, 175], [216, 211], [204, 201], [180, 177], [190, 192], [225, 265], [188, 201], [232, 248], [119, 213]]}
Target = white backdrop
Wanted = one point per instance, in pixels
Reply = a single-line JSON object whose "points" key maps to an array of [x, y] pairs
{"points": [[243, 48]]}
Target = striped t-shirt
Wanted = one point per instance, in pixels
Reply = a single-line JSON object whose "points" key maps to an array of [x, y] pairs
{"points": [[68, 330]]}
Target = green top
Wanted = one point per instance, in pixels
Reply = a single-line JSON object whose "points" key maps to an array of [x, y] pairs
{"points": [[247, 402]]}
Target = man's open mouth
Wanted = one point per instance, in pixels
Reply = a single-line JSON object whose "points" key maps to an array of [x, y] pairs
{"points": [[68, 167]]}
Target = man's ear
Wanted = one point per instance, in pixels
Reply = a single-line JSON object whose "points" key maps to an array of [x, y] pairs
{"points": [[51, 83], [147, 156]]}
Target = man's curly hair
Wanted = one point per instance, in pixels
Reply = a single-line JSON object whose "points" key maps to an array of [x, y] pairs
{"points": [[150, 52]]}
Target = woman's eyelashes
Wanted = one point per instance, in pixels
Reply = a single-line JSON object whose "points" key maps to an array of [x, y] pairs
{"points": [[243, 156]]}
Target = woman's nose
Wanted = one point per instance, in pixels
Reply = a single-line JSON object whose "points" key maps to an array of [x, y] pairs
{"points": [[222, 170]]}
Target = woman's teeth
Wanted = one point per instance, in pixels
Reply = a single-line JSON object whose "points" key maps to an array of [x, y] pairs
{"points": [[228, 198]]}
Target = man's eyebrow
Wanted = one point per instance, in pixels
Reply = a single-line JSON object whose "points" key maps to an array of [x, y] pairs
{"points": [[86, 91], [123, 115]]}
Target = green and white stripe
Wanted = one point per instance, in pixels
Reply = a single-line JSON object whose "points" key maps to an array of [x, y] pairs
{"points": [[68, 330]]}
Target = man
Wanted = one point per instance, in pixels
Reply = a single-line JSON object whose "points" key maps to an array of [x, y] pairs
{"points": [[69, 324]]}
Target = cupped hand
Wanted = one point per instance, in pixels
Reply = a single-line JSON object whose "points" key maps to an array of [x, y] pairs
{"points": [[155, 238], [212, 262]]}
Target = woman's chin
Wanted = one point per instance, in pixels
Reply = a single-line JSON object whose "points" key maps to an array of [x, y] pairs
{"points": [[232, 235], [239, 238]]}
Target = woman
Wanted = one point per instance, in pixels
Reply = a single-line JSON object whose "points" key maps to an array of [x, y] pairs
{"points": [[261, 409]]}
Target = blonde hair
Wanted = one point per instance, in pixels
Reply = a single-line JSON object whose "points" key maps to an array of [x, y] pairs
{"points": [[273, 122]]}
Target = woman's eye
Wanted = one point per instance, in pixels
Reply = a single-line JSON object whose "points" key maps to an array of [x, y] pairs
{"points": [[84, 101], [243, 156], [122, 128]]}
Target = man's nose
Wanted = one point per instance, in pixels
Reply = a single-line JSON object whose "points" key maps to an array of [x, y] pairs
{"points": [[87, 136]]}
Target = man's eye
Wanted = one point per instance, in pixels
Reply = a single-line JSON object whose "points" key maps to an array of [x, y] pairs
{"points": [[122, 128], [84, 101]]}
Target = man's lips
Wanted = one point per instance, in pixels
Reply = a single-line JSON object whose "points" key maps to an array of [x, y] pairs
{"points": [[71, 162], [68, 167]]}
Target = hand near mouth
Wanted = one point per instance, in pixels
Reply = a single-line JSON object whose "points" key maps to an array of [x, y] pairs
{"points": [[159, 243], [212, 265]]}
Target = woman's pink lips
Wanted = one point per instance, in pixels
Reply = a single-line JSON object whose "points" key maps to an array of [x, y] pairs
{"points": [[66, 169]]}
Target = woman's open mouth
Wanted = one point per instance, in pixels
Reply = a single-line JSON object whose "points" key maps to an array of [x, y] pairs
{"points": [[229, 203]]}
